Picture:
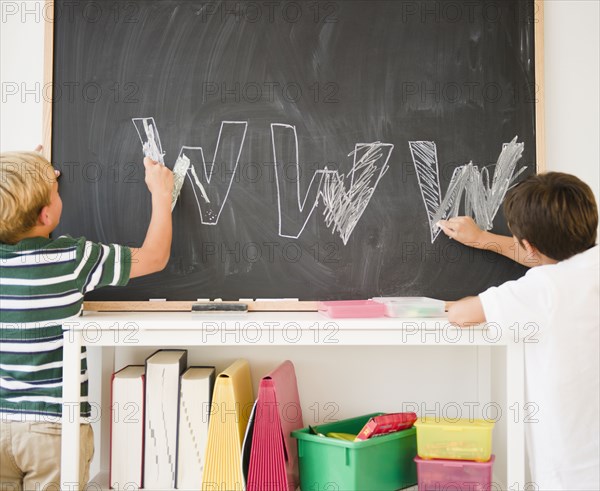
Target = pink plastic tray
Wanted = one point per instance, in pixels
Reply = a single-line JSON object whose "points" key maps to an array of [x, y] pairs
{"points": [[457, 475], [352, 308]]}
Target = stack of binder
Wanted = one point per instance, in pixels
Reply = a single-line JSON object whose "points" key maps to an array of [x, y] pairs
{"points": [[163, 371], [197, 385], [127, 428]]}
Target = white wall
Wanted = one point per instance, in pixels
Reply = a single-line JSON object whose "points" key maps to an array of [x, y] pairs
{"points": [[572, 54], [21, 74]]}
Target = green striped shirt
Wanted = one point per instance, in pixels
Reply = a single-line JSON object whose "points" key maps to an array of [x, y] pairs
{"points": [[42, 284]]}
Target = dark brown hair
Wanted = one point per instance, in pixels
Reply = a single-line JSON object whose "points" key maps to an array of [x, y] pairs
{"points": [[555, 212]]}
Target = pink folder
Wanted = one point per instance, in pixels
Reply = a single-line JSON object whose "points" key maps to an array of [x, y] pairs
{"points": [[274, 455]]}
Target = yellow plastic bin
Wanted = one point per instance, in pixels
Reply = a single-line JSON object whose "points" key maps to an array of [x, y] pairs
{"points": [[461, 439]]}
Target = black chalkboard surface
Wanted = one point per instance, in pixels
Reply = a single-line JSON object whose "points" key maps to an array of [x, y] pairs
{"points": [[321, 138]]}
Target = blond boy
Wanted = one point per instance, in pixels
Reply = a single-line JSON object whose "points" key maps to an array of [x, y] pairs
{"points": [[42, 285]]}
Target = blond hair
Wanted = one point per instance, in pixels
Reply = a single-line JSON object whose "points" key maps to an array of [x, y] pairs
{"points": [[26, 180]]}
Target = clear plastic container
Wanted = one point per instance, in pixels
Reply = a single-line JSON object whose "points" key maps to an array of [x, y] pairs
{"points": [[461, 439], [455, 475], [412, 306]]}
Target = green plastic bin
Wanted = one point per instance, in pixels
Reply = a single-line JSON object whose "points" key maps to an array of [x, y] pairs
{"points": [[382, 463]]}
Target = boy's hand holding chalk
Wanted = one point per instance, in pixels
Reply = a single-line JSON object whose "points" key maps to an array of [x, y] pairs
{"points": [[463, 230], [148, 133], [159, 179]]}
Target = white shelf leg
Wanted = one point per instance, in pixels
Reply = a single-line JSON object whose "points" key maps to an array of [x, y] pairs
{"points": [[515, 427], [108, 367], [69, 463]]}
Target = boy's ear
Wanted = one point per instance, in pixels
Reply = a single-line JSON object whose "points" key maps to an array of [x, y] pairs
{"points": [[532, 257], [44, 218], [531, 250]]}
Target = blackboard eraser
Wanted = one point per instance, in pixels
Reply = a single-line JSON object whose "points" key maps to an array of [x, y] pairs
{"points": [[220, 308]]}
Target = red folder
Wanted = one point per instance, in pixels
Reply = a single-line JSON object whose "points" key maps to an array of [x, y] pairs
{"points": [[274, 455], [386, 423]]}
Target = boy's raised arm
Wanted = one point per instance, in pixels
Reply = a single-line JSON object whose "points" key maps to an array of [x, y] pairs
{"points": [[466, 231], [154, 253]]}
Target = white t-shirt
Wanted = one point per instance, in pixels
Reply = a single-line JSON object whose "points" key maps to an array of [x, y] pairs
{"points": [[557, 310]]}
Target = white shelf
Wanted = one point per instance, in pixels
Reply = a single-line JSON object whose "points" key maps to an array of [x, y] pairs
{"points": [[262, 329], [273, 329]]}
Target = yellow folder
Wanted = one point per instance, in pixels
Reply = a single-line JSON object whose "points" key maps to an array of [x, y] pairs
{"points": [[232, 403]]}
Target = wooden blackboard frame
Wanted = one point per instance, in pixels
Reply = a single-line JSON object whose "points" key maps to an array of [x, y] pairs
{"points": [[268, 305]]}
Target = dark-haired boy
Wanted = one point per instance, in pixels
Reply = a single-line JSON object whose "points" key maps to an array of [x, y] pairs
{"points": [[554, 219]]}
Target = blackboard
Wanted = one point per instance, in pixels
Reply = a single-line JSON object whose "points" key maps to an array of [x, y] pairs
{"points": [[254, 78]]}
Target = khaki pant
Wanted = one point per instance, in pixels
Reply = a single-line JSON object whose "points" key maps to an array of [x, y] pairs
{"points": [[30, 456]]}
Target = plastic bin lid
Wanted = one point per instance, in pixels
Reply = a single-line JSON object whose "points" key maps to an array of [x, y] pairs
{"points": [[456, 463], [453, 423], [410, 300]]}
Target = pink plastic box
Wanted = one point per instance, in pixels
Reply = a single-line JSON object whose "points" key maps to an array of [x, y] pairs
{"points": [[455, 475], [352, 308]]}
